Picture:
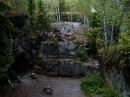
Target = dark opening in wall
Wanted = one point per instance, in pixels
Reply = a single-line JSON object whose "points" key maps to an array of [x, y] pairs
{"points": [[21, 64]]}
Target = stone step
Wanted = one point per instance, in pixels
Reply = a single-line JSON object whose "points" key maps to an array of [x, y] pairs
{"points": [[67, 67], [60, 49]]}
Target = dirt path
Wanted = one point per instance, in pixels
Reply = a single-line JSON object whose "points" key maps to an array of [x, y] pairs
{"points": [[62, 87]]}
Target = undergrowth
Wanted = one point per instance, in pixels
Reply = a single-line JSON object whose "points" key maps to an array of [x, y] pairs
{"points": [[82, 53], [93, 84]]}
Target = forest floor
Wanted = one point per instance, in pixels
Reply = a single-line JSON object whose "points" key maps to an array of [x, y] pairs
{"points": [[62, 87]]}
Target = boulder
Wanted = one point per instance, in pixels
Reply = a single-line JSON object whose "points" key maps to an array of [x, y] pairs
{"points": [[48, 90]]}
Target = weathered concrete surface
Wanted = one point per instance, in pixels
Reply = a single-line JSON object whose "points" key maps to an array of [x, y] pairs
{"points": [[67, 67]]}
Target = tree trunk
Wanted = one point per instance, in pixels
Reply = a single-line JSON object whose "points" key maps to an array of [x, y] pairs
{"points": [[104, 24], [112, 26], [71, 17], [47, 9], [58, 7], [112, 32]]}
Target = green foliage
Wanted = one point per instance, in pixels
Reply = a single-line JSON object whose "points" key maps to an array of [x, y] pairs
{"points": [[82, 53], [109, 57], [93, 84], [3, 8], [77, 17], [37, 69], [95, 20], [6, 28], [62, 6], [124, 42], [94, 35], [52, 74], [3, 73], [6, 59], [93, 39], [108, 92], [31, 8], [83, 6], [43, 19], [41, 7], [19, 5], [126, 22], [31, 16], [123, 46], [38, 19], [116, 54]]}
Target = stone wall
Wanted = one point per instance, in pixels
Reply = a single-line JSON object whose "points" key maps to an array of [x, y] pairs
{"points": [[119, 80], [67, 67], [117, 77], [25, 51], [115, 68], [60, 49]]}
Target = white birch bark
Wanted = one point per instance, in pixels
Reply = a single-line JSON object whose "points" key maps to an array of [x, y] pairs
{"points": [[47, 9], [104, 24], [112, 24], [58, 8]]}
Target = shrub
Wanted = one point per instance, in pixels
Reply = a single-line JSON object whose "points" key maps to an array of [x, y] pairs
{"points": [[108, 92], [6, 28], [124, 42], [3, 73], [82, 53], [93, 40], [37, 69], [43, 19], [95, 20], [93, 84], [116, 54]]}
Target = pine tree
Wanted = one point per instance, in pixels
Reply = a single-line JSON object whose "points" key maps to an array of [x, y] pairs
{"points": [[31, 13], [62, 7], [43, 20]]}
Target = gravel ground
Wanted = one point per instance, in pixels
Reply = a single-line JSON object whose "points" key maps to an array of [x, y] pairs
{"points": [[62, 87]]}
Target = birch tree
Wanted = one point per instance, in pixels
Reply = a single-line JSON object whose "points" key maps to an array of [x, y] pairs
{"points": [[104, 22]]}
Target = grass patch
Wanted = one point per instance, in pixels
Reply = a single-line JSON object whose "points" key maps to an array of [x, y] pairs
{"points": [[93, 84]]}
